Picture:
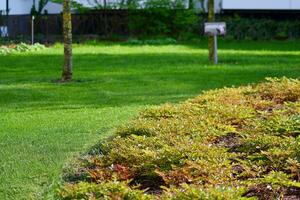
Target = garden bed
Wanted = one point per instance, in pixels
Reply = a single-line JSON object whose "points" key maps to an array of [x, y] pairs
{"points": [[230, 143]]}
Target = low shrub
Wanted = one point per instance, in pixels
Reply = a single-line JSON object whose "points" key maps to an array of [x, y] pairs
{"points": [[229, 143], [112, 190], [22, 47]]}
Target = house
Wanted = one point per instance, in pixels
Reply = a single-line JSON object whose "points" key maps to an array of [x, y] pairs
{"points": [[23, 7], [260, 5]]}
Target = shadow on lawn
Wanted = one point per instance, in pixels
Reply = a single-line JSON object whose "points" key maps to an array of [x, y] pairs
{"points": [[118, 80], [272, 45], [229, 44]]}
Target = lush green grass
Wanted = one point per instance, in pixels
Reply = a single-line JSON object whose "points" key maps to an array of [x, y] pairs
{"points": [[44, 124]]}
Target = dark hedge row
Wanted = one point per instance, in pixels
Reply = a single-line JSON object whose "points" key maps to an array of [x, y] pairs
{"points": [[180, 24], [262, 28], [186, 24]]}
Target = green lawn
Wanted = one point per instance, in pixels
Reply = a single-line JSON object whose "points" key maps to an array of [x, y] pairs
{"points": [[43, 125]]}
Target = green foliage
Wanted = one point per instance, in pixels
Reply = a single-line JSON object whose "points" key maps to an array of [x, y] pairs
{"points": [[261, 28], [162, 18], [109, 191], [80, 8], [219, 145], [190, 192], [161, 21], [5, 50], [22, 47]]}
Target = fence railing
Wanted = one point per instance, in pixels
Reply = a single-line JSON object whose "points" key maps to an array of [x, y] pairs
{"points": [[116, 23], [103, 23]]}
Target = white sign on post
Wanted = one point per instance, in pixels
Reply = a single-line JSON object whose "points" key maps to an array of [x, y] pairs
{"points": [[215, 29]]}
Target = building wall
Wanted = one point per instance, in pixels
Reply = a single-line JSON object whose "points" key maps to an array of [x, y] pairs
{"points": [[261, 5], [53, 8], [21, 7], [16, 6]]}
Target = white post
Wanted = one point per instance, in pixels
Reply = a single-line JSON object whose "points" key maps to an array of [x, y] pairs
{"points": [[216, 49], [32, 30]]}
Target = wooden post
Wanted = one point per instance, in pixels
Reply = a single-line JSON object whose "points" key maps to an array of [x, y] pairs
{"points": [[32, 29], [7, 19], [211, 39], [215, 50], [67, 32]]}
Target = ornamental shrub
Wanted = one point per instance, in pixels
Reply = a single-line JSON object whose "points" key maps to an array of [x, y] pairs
{"points": [[112, 190], [231, 143], [22, 47]]}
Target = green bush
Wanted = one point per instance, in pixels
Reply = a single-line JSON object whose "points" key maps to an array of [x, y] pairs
{"points": [[230, 143], [162, 18], [162, 22], [261, 28], [186, 24]]}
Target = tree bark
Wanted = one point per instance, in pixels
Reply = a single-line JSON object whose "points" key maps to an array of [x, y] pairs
{"points": [[105, 18], [211, 18], [67, 34], [191, 4]]}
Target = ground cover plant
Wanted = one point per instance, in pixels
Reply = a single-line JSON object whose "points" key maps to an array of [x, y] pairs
{"points": [[44, 125], [22, 47], [225, 144]]}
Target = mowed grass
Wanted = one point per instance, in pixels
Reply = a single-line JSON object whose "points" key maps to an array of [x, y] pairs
{"points": [[44, 124]]}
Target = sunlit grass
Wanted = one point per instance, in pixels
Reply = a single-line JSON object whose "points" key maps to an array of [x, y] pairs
{"points": [[44, 124]]}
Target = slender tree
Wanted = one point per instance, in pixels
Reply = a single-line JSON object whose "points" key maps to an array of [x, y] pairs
{"points": [[191, 4], [211, 18], [67, 32]]}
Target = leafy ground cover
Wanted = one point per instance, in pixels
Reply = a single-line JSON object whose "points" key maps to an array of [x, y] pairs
{"points": [[44, 125], [13, 48], [225, 144]]}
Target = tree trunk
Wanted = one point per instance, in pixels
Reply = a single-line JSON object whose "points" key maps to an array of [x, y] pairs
{"points": [[105, 18], [67, 32], [211, 18], [191, 4]]}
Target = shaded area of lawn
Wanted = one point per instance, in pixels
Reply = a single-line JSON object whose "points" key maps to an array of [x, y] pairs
{"points": [[117, 80], [43, 124]]}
